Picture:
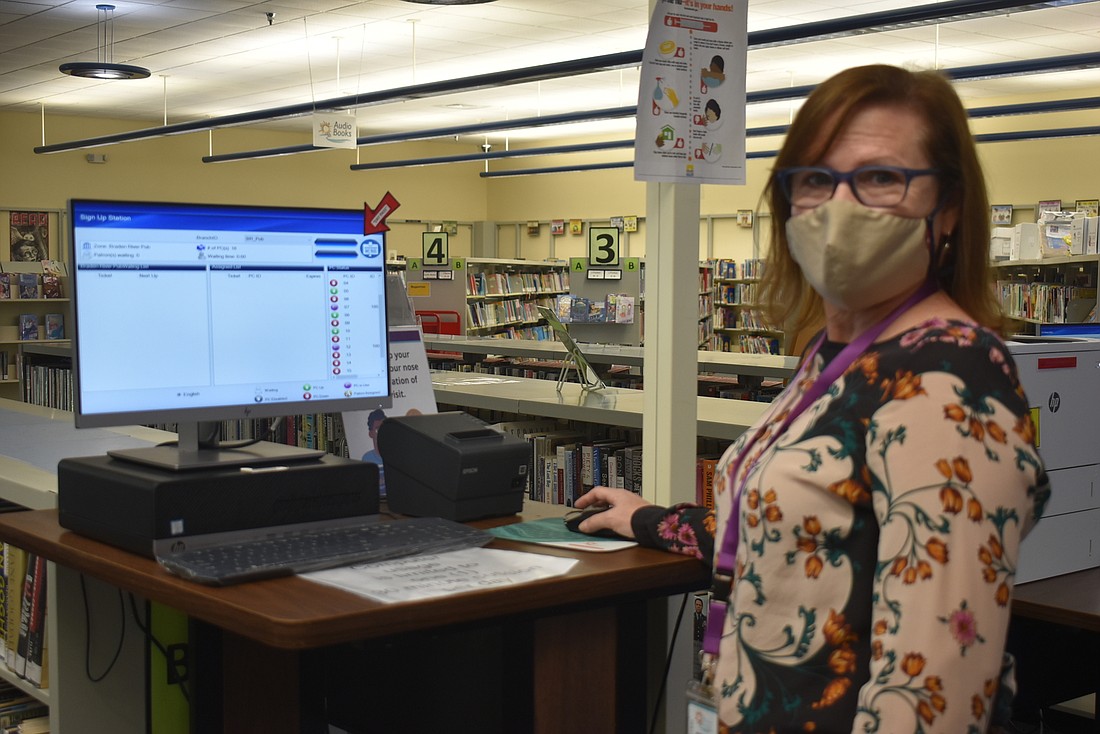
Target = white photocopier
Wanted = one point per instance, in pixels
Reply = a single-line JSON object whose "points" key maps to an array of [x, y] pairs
{"points": [[1061, 376]]}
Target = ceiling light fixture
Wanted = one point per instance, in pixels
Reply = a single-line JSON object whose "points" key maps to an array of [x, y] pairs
{"points": [[104, 67], [449, 2]]}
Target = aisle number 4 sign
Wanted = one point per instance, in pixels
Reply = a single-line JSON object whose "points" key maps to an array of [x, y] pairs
{"points": [[603, 246], [436, 248]]}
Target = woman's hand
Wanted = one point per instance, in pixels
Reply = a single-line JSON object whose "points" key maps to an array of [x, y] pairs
{"points": [[623, 504]]}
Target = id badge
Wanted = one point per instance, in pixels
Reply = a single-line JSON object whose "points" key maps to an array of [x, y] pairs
{"points": [[702, 714]]}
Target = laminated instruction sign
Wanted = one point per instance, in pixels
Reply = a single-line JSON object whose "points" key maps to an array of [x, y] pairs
{"points": [[410, 389], [691, 97]]}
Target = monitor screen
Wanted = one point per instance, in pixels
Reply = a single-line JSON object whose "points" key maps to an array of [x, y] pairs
{"points": [[197, 312]]}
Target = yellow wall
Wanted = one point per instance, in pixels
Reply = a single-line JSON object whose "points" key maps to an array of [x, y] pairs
{"points": [[170, 168]]}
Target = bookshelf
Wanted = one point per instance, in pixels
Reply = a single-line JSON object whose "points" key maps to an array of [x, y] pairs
{"points": [[502, 296], [598, 286], [13, 346], [46, 377], [772, 366], [738, 325], [580, 438], [717, 418], [492, 296], [1053, 290], [30, 482], [707, 302]]}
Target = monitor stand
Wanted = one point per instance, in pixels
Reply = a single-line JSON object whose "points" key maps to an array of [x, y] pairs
{"points": [[189, 453]]}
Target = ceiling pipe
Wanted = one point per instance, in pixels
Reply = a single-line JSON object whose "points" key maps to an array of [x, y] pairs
{"points": [[494, 155], [528, 152], [865, 23], [890, 20], [595, 166], [610, 113], [1015, 136], [607, 62], [964, 73], [1031, 108], [557, 169], [1060, 105]]}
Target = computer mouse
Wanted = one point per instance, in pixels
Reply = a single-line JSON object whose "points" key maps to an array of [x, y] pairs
{"points": [[575, 518]]}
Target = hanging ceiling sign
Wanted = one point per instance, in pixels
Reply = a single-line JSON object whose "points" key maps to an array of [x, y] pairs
{"points": [[334, 129], [691, 98]]}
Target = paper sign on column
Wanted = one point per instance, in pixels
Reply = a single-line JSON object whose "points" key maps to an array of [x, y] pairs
{"points": [[442, 574], [691, 97]]}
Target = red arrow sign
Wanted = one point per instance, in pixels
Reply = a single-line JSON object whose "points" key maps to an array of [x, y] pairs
{"points": [[374, 220]]}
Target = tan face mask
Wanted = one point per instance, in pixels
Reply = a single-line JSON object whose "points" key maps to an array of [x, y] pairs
{"points": [[856, 257]]}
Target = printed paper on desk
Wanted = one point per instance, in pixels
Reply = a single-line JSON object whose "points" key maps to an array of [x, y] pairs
{"points": [[442, 574]]}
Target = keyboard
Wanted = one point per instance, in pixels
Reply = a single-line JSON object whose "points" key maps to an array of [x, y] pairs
{"points": [[299, 549]]}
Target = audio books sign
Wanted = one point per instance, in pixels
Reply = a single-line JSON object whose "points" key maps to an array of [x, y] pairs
{"points": [[691, 98], [334, 129]]}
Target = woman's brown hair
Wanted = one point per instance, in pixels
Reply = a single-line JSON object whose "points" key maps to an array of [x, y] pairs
{"points": [[964, 271]]}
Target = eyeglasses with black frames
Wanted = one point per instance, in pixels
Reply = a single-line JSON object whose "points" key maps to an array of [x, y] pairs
{"points": [[876, 186]]}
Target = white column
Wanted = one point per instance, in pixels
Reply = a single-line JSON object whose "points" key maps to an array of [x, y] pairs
{"points": [[671, 348]]}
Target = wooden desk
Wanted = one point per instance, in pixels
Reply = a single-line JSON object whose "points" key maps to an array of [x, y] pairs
{"points": [[1072, 599], [1055, 636], [583, 663]]}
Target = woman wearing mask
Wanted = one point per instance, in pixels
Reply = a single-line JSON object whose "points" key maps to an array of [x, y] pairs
{"points": [[881, 500]]}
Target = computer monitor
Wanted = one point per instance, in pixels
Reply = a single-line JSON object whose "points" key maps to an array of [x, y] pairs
{"points": [[198, 313]]}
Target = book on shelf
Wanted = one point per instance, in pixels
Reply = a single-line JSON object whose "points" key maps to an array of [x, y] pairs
{"points": [[28, 326], [36, 667], [37, 725], [15, 571], [28, 285], [632, 469], [544, 464], [613, 477], [22, 635], [579, 308], [24, 710], [704, 481], [51, 286], [3, 602], [562, 306], [602, 451], [55, 326], [521, 428], [597, 311], [620, 308], [5, 286], [54, 267]]}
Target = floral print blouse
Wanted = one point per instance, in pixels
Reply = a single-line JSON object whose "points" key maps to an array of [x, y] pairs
{"points": [[878, 541]]}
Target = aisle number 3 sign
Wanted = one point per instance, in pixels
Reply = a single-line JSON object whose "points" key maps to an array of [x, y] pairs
{"points": [[603, 246], [436, 248]]}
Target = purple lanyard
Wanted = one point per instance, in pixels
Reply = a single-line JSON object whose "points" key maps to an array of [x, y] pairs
{"points": [[725, 563]]}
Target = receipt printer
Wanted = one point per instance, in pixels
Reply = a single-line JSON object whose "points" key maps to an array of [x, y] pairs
{"points": [[452, 465]]}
